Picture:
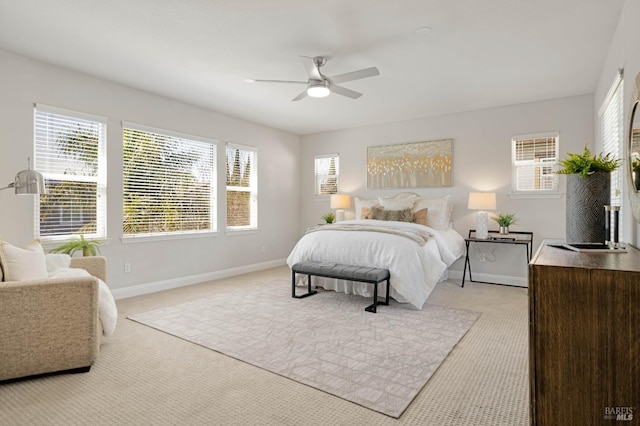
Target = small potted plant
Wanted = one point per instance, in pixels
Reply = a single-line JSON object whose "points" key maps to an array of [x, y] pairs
{"points": [[505, 220], [88, 247], [329, 217]]}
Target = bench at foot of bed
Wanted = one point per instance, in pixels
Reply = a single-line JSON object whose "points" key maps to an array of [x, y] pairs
{"points": [[363, 274]]}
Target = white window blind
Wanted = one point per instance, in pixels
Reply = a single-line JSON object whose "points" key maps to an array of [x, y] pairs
{"points": [[534, 158], [611, 134], [327, 170], [242, 188], [70, 152], [169, 182]]}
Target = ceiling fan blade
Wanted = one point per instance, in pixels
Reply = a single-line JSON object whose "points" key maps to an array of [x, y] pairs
{"points": [[280, 81], [302, 95], [311, 68], [345, 92], [354, 75]]}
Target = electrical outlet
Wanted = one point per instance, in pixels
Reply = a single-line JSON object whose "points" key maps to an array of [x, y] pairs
{"points": [[127, 267]]}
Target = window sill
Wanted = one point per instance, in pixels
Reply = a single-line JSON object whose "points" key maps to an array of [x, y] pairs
{"points": [[162, 237], [532, 195], [49, 245], [241, 231]]}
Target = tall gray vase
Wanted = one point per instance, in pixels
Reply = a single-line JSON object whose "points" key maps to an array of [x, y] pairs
{"points": [[586, 198]]}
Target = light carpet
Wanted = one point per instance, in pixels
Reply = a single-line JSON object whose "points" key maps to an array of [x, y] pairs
{"points": [[380, 361]]}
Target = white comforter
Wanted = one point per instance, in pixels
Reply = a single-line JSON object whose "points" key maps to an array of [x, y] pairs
{"points": [[415, 269]]}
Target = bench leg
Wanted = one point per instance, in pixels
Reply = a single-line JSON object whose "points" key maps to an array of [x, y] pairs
{"points": [[374, 307], [386, 300], [293, 287]]}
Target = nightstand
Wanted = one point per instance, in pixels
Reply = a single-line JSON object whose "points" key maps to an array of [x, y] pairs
{"points": [[523, 238]]}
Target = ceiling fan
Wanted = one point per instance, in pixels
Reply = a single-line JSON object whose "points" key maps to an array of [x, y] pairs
{"points": [[319, 85]]}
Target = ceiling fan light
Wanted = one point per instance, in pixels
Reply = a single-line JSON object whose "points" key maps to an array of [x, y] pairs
{"points": [[318, 90]]}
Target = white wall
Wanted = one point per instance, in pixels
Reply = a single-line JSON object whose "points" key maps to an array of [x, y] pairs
{"points": [[623, 53], [24, 82], [481, 162]]}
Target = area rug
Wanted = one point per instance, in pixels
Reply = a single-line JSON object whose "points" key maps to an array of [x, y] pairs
{"points": [[380, 361]]}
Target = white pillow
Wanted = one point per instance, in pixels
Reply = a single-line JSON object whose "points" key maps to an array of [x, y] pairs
{"points": [[23, 264], [405, 195], [438, 211], [396, 204], [364, 204], [57, 261]]}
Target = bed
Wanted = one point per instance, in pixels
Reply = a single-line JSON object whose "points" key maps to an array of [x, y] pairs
{"points": [[409, 235]]}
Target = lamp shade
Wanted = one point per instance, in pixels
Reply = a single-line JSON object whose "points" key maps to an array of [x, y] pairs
{"points": [[340, 201], [482, 201], [29, 182]]}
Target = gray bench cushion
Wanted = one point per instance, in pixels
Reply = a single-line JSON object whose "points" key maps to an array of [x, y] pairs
{"points": [[345, 272], [337, 270]]}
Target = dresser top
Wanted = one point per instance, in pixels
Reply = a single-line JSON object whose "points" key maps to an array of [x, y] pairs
{"points": [[561, 257]]}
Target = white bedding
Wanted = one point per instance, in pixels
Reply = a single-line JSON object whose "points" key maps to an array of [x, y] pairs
{"points": [[415, 269]]}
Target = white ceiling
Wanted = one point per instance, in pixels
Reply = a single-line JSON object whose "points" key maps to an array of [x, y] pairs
{"points": [[479, 54]]}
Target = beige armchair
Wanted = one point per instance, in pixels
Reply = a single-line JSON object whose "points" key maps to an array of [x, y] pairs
{"points": [[51, 325]]}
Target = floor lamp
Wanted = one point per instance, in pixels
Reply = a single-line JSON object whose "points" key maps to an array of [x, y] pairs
{"points": [[340, 202], [482, 201]]}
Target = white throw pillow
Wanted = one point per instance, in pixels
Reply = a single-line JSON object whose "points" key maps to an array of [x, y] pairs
{"points": [[23, 264], [396, 204], [438, 211]]}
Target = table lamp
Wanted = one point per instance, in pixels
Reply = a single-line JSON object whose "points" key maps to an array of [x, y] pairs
{"points": [[482, 201], [340, 202]]}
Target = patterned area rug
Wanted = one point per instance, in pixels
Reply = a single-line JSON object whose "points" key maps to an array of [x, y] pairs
{"points": [[380, 361]]}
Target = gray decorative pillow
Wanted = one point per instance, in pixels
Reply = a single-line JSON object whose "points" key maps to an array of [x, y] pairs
{"points": [[379, 213]]}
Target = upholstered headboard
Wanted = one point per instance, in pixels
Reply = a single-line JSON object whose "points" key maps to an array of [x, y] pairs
{"points": [[437, 210]]}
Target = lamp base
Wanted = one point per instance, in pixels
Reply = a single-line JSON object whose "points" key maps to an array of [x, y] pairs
{"points": [[482, 225], [339, 215]]}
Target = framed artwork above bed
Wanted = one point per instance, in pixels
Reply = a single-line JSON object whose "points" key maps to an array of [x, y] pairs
{"points": [[410, 165]]}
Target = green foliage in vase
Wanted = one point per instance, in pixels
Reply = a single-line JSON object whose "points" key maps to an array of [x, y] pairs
{"points": [[635, 165], [88, 247], [586, 164], [329, 217], [505, 219]]}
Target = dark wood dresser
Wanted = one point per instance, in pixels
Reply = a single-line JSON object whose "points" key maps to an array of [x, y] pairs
{"points": [[584, 337]]}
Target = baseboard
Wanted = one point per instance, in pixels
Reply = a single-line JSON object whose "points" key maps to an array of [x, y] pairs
{"points": [[141, 289], [492, 278]]}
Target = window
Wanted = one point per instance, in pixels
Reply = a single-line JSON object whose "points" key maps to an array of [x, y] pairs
{"points": [[327, 167], [611, 136], [70, 152], [534, 158], [169, 183], [242, 188]]}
